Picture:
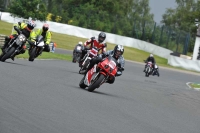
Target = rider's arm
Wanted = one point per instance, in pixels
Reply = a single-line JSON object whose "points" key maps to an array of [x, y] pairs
{"points": [[89, 41], [16, 27], [32, 36], [154, 61], [120, 66], [48, 38], [38, 32], [105, 54], [122, 63], [104, 48], [147, 59]]}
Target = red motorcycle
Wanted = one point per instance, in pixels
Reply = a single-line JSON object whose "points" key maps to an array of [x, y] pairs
{"points": [[99, 74]]}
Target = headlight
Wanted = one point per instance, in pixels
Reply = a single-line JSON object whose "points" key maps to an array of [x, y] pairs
{"points": [[22, 38], [106, 66], [110, 70]]}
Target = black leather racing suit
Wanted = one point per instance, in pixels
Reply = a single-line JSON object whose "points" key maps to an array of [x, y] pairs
{"points": [[152, 59]]}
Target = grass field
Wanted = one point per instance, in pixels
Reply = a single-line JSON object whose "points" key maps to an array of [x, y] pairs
{"points": [[68, 42], [48, 55], [195, 85]]}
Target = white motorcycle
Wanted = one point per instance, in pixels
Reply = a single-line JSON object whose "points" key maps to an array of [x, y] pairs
{"points": [[149, 69], [36, 48]]}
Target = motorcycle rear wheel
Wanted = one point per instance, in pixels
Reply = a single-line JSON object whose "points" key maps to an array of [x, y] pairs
{"points": [[158, 74], [96, 83]]}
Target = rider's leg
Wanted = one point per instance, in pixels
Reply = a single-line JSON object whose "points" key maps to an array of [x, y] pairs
{"points": [[93, 61]]}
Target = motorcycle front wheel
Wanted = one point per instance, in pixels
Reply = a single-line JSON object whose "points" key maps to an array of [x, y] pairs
{"points": [[81, 84], [96, 83], [8, 54], [32, 54], [147, 72]]}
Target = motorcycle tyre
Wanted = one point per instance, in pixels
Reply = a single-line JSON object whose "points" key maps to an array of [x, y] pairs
{"points": [[32, 54], [8, 54], [81, 84], [96, 83]]}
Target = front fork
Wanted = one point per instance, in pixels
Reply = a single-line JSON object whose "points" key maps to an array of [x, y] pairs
{"points": [[38, 50], [17, 51]]}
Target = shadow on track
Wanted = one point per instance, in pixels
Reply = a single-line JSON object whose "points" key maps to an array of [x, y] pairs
{"points": [[97, 92], [14, 63]]}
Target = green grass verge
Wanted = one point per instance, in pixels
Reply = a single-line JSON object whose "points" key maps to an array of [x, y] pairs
{"points": [[47, 55], [68, 42], [195, 85]]}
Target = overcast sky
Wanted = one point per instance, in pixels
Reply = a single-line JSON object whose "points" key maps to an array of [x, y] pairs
{"points": [[158, 7]]}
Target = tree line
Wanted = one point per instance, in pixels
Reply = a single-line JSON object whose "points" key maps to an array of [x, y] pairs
{"points": [[130, 18], [105, 15]]}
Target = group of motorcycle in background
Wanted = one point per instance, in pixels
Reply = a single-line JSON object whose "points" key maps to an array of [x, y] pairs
{"points": [[100, 73]]}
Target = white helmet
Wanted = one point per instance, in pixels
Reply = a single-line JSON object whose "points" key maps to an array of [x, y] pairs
{"points": [[31, 24], [151, 55], [80, 43]]}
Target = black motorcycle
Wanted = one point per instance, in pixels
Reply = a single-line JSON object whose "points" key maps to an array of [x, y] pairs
{"points": [[156, 71], [77, 53], [14, 47], [36, 48]]}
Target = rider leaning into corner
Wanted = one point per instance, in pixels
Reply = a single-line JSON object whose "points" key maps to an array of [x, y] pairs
{"points": [[151, 59], [79, 44], [26, 29], [117, 53], [100, 44], [46, 35]]}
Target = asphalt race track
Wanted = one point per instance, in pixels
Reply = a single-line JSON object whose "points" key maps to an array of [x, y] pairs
{"points": [[44, 97]]}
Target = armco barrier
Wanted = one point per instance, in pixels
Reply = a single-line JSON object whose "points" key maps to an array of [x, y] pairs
{"points": [[184, 63], [2, 38]]}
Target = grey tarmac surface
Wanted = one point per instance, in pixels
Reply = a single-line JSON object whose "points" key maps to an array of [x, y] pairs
{"points": [[44, 97]]}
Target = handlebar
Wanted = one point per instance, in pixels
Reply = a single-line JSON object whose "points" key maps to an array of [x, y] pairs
{"points": [[17, 29]]}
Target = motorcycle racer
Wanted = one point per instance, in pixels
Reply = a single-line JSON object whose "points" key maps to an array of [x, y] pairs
{"points": [[26, 29], [100, 44], [116, 53], [151, 59]]}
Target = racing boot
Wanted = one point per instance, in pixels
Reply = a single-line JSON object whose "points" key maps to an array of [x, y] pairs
{"points": [[87, 69], [13, 58]]}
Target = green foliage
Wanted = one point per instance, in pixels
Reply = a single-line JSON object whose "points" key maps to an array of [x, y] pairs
{"points": [[183, 17], [35, 9], [2, 5], [104, 15], [47, 55]]}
